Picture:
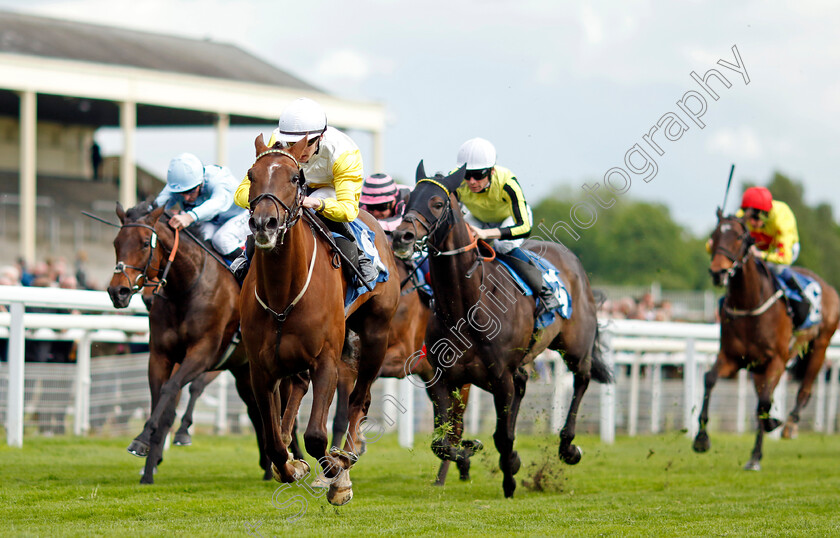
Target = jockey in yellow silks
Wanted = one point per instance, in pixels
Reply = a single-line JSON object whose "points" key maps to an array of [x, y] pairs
{"points": [[773, 228], [496, 210], [332, 166]]}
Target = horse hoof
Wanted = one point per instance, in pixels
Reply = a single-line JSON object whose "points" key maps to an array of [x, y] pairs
{"points": [[463, 470], [791, 431], [267, 475], [321, 481], [275, 473], [341, 490], [701, 443], [138, 448], [471, 446], [752, 466], [339, 496], [301, 468], [771, 424], [573, 456], [182, 439]]}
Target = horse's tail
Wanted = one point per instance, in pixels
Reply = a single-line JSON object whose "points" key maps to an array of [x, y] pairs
{"points": [[599, 369]]}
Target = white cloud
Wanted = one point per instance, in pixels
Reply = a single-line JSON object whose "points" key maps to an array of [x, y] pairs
{"points": [[593, 30], [741, 142], [343, 64]]}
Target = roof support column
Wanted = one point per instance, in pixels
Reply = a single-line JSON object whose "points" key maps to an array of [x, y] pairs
{"points": [[222, 126], [128, 166], [28, 171], [378, 152]]}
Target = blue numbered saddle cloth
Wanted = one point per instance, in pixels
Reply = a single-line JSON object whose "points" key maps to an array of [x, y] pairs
{"points": [[551, 277], [811, 290], [365, 238]]}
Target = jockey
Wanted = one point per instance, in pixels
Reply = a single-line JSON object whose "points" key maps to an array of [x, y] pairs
{"points": [[385, 200], [205, 194], [773, 228], [332, 166], [496, 210]]}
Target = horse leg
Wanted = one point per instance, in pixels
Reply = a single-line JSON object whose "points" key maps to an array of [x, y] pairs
{"points": [[765, 384], [567, 451], [467, 447], [160, 369], [815, 357], [182, 436], [506, 397], [342, 404], [292, 391], [723, 366], [269, 404], [156, 442], [243, 387]]}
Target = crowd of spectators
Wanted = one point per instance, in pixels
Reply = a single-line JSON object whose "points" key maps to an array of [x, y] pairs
{"points": [[50, 273], [643, 308]]}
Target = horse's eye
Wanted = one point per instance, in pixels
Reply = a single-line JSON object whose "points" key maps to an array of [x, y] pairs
{"points": [[296, 178], [146, 243], [437, 205]]}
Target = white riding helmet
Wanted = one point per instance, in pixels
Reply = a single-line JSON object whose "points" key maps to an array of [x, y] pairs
{"points": [[301, 118], [185, 173], [477, 154]]}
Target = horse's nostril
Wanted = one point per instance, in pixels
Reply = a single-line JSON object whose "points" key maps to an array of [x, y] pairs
{"points": [[252, 224], [272, 224]]}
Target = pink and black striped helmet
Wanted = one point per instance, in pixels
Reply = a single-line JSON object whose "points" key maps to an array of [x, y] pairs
{"points": [[378, 189]]}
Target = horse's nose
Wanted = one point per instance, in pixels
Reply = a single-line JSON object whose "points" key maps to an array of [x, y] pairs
{"points": [[120, 295], [403, 237], [261, 223]]}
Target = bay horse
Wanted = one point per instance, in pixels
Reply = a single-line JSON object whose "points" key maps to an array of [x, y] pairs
{"points": [[482, 328], [294, 320], [192, 318], [757, 334]]}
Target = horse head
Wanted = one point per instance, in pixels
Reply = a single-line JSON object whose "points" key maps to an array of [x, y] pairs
{"points": [[429, 212], [137, 253], [276, 192], [730, 247]]}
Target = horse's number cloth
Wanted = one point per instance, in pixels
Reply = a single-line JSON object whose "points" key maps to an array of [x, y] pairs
{"points": [[365, 238], [551, 277], [813, 294]]}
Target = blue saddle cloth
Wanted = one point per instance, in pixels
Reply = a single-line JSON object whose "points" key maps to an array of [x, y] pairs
{"points": [[551, 277], [419, 276], [365, 238], [811, 290]]}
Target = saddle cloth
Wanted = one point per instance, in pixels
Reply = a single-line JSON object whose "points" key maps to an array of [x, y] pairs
{"points": [[811, 290], [365, 238], [551, 278]]}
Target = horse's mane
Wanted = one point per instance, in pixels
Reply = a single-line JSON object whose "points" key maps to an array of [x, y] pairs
{"points": [[139, 211]]}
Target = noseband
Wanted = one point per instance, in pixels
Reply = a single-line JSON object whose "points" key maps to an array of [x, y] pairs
{"points": [[292, 214], [738, 258], [142, 271]]}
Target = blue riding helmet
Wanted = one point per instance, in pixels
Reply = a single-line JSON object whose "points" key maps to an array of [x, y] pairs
{"points": [[185, 173]]}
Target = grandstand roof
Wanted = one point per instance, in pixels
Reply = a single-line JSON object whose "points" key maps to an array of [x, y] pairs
{"points": [[70, 40]]}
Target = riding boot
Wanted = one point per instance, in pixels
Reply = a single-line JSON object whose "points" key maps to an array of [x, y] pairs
{"points": [[346, 242], [800, 309], [533, 278], [239, 266]]}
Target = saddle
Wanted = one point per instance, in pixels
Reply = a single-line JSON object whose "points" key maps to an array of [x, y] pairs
{"points": [[803, 296]]}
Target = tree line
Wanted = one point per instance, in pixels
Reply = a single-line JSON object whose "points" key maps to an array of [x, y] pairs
{"points": [[638, 242]]}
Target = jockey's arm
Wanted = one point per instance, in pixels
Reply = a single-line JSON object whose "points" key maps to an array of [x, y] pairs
{"points": [[521, 226], [219, 201], [348, 179]]}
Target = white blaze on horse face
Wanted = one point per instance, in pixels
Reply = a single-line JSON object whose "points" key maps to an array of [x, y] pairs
{"points": [[725, 228]]}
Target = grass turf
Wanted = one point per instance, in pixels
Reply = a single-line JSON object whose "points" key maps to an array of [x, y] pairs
{"points": [[640, 486]]}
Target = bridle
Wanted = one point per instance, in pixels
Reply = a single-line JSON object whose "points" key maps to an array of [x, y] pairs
{"points": [[424, 243], [143, 279], [738, 260], [293, 213]]}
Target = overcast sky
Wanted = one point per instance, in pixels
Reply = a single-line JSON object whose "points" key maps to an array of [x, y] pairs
{"points": [[563, 89]]}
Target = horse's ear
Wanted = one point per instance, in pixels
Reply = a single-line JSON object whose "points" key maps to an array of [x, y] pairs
{"points": [[719, 213], [259, 144], [121, 213], [421, 172], [454, 180], [298, 147]]}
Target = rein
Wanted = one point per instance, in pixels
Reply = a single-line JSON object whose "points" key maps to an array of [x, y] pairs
{"points": [[738, 264]]}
